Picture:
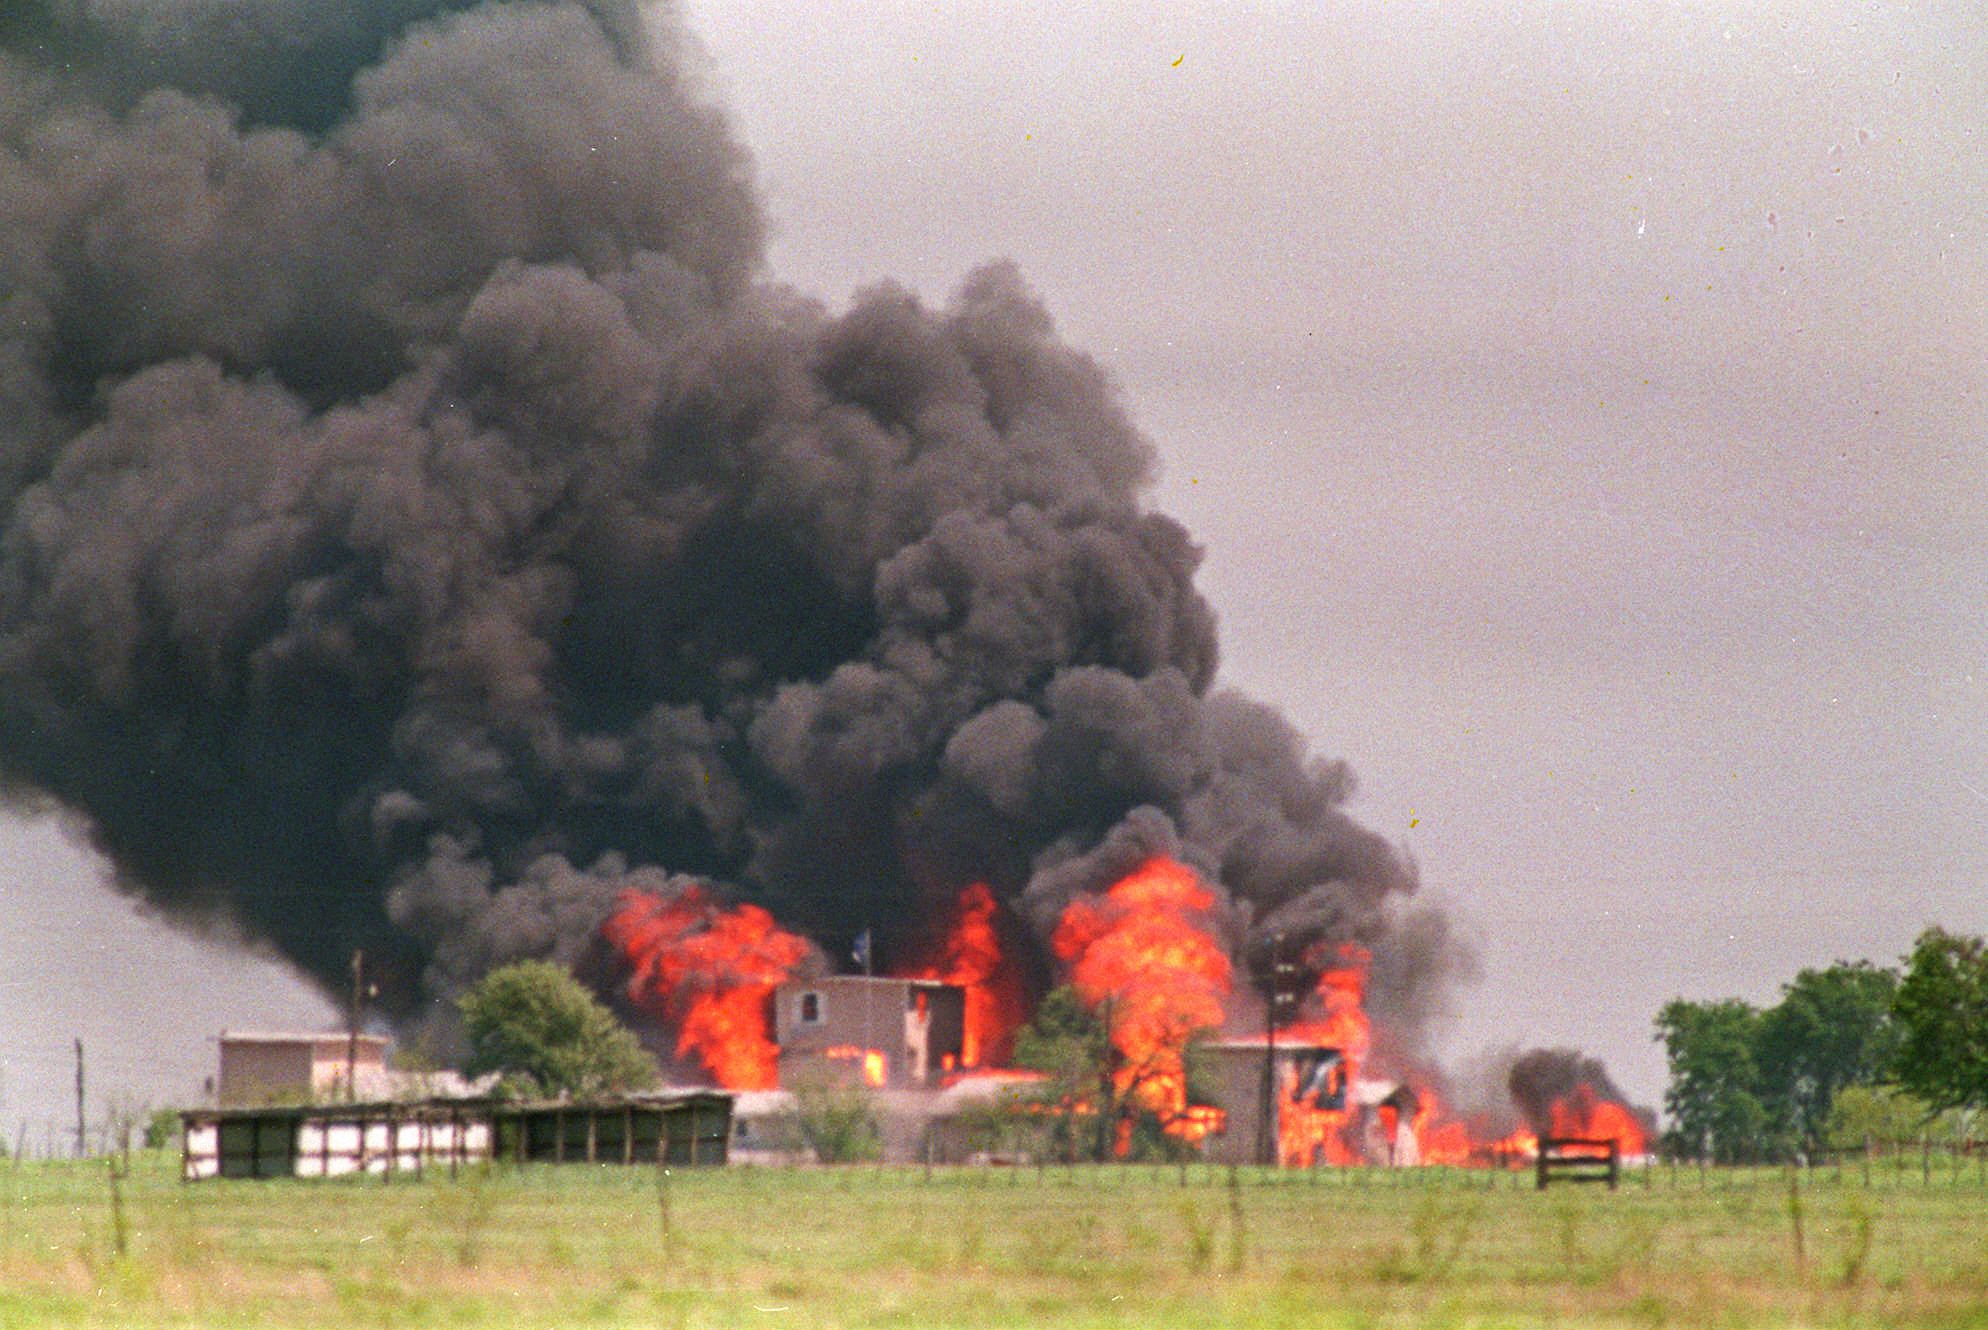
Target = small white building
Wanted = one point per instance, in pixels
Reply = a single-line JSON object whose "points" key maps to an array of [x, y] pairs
{"points": [[267, 1067], [263, 1067]]}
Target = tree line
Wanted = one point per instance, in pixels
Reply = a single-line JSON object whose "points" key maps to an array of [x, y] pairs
{"points": [[1851, 1053]]}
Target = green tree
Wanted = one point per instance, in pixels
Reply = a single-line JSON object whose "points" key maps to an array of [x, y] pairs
{"points": [[536, 1024], [1067, 1042], [1942, 1012], [1884, 1115], [1714, 1097], [1832, 1029], [1095, 1098], [162, 1129]]}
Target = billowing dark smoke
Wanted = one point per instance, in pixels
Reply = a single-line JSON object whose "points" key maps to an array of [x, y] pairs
{"points": [[1541, 1077], [422, 518]]}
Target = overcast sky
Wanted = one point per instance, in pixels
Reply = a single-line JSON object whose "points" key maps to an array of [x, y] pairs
{"points": [[1584, 410]]}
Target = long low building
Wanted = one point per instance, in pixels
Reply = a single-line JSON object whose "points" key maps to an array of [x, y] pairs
{"points": [[689, 1127]]}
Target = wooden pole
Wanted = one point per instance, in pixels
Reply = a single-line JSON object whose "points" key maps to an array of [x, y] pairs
{"points": [[352, 1029], [1266, 1130], [82, 1139]]}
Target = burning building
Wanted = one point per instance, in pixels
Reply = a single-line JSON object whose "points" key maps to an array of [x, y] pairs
{"points": [[426, 527], [879, 1033], [1266, 1094]]}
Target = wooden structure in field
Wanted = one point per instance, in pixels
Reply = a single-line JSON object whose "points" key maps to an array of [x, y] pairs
{"points": [[688, 1128], [334, 1140], [1580, 1159]]}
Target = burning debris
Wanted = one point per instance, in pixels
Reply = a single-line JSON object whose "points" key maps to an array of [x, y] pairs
{"points": [[1563, 1093], [425, 528]]}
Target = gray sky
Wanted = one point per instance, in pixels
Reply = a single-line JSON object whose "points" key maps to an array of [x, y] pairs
{"points": [[1584, 409]]}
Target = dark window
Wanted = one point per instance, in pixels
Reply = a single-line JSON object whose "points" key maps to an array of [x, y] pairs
{"points": [[810, 1008]]}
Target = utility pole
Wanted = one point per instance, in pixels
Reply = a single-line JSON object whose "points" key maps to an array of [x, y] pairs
{"points": [[82, 1140], [352, 1027], [1107, 1114], [1275, 999]]}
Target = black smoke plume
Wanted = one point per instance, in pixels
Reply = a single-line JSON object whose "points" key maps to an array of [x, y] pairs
{"points": [[1540, 1077], [422, 517]]}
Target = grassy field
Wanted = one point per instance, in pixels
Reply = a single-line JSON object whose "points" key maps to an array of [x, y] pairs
{"points": [[992, 1247]]}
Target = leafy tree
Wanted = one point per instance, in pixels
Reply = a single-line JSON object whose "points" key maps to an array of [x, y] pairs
{"points": [[1832, 1029], [1884, 1115], [1942, 1011], [1713, 1100], [1092, 1093], [535, 1023], [1068, 1043]]}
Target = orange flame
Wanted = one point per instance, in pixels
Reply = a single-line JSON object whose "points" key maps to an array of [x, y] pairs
{"points": [[1306, 1133], [876, 1073], [974, 960], [1441, 1139], [1586, 1114], [709, 972], [1141, 952], [1341, 994]]}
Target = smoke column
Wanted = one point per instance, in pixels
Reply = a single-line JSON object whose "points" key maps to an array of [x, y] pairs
{"points": [[421, 519], [1543, 1080]]}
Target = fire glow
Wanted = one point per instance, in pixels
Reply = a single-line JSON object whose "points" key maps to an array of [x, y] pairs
{"points": [[876, 1072], [708, 972], [1308, 1134], [1143, 955], [974, 959], [1586, 1114]]}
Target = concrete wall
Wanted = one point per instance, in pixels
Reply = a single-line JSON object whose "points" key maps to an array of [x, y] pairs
{"points": [[256, 1073], [262, 1069], [829, 1029]]}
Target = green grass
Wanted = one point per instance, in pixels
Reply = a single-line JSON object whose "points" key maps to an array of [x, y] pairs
{"points": [[865, 1246]]}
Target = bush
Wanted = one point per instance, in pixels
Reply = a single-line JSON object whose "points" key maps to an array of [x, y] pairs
{"points": [[162, 1129], [837, 1124]]}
